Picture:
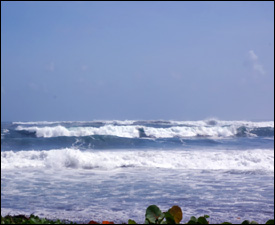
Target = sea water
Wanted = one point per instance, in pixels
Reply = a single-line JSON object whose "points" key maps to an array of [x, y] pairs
{"points": [[113, 170]]}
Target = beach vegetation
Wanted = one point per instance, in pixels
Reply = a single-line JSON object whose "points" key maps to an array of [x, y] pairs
{"points": [[32, 219], [153, 215]]}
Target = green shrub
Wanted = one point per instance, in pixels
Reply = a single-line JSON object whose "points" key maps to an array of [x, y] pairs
{"points": [[21, 219], [154, 215]]}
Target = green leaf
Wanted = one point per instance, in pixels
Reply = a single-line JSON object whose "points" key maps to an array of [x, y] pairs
{"points": [[191, 222], [176, 212], [161, 218], [153, 213], [253, 222], [245, 222], [169, 218], [270, 222], [193, 218], [33, 221], [202, 220], [206, 216], [131, 222], [226, 223]]}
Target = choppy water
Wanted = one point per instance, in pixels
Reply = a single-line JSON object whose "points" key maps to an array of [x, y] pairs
{"points": [[113, 170]]}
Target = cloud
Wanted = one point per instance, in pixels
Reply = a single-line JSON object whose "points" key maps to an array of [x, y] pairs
{"points": [[255, 64], [252, 55], [259, 68]]}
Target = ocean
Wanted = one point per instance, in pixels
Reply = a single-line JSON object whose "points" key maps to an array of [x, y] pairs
{"points": [[113, 170]]}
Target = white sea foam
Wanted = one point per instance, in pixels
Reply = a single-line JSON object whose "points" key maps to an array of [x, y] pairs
{"points": [[189, 129], [178, 131], [120, 131], [174, 159]]}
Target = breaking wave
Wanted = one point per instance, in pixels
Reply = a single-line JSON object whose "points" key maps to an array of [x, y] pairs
{"points": [[155, 129], [261, 159]]}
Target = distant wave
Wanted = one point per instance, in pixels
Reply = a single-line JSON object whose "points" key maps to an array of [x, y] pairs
{"points": [[156, 129], [116, 134], [248, 160], [47, 132]]}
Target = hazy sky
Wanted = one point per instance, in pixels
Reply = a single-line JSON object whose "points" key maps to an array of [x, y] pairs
{"points": [[137, 60]]}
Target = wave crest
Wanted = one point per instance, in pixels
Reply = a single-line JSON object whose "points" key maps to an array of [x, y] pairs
{"points": [[215, 130], [108, 160]]}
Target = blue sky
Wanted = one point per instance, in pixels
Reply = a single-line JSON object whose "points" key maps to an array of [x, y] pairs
{"points": [[137, 60]]}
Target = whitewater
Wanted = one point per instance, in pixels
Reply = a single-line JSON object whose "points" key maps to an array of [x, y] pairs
{"points": [[112, 169]]}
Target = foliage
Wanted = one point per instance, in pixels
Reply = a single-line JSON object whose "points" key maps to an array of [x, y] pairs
{"points": [[200, 220], [21, 219], [153, 215]]}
